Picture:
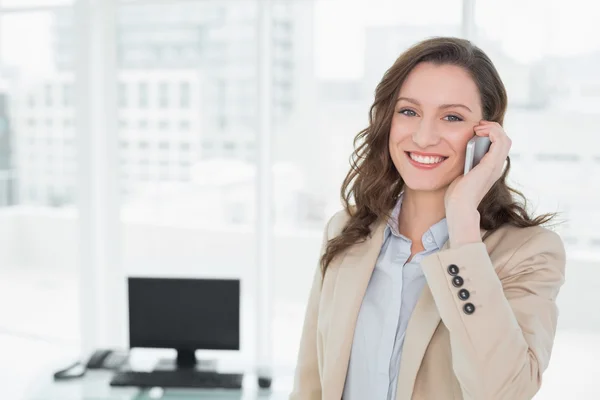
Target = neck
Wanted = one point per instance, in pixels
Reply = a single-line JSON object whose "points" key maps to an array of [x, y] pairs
{"points": [[420, 210]]}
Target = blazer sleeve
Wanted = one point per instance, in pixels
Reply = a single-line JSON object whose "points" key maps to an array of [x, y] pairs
{"points": [[307, 381], [501, 349]]}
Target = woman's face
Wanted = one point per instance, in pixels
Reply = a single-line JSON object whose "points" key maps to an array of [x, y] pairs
{"points": [[436, 110]]}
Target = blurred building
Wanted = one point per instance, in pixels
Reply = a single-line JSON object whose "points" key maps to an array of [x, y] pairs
{"points": [[44, 154], [187, 92], [218, 39]]}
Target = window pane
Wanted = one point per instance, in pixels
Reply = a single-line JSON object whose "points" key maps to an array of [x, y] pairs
{"points": [[188, 190], [38, 215]]}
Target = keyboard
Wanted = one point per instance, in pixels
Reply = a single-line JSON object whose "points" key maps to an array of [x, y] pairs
{"points": [[178, 379]]}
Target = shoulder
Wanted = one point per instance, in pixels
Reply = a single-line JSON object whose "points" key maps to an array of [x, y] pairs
{"points": [[534, 237], [337, 223], [514, 245]]}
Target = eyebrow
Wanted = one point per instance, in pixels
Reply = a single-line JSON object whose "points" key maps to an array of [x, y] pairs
{"points": [[440, 107]]}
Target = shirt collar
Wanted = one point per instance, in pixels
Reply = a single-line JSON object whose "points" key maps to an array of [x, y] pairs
{"points": [[439, 230]]}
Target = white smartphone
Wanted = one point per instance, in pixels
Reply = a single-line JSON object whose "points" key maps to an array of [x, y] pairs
{"points": [[476, 149]]}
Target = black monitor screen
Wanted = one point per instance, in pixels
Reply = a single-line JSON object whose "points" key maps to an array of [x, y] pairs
{"points": [[184, 313]]}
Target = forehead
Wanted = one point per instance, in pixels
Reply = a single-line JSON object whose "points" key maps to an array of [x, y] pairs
{"points": [[433, 84]]}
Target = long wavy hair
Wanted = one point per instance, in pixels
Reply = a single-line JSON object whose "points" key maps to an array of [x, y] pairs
{"points": [[373, 182]]}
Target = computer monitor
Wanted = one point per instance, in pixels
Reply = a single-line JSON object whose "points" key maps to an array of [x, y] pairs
{"points": [[184, 314]]}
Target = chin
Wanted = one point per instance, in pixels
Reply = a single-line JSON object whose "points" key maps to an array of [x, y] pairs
{"points": [[423, 185]]}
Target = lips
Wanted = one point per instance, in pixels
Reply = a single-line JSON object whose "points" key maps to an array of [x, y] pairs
{"points": [[424, 161]]}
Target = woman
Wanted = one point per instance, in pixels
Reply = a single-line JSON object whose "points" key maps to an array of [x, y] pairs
{"points": [[434, 285]]}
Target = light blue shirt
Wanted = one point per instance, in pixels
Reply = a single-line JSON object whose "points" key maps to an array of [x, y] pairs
{"points": [[391, 296]]}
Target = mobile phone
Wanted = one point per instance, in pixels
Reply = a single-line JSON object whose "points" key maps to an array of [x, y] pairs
{"points": [[476, 149]]}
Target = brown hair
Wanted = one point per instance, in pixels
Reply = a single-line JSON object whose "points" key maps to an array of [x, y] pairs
{"points": [[373, 181]]}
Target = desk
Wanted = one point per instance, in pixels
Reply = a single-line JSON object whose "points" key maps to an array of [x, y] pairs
{"points": [[95, 386]]}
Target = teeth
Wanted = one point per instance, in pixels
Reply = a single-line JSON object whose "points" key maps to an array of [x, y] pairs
{"points": [[426, 159]]}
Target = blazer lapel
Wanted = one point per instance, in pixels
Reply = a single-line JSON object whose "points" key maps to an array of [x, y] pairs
{"points": [[421, 327], [352, 280]]}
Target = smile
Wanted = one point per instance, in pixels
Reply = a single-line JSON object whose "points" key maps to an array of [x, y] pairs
{"points": [[425, 162]]}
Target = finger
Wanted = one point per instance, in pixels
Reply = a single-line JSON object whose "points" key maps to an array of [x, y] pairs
{"points": [[495, 133], [492, 125], [499, 149], [499, 136], [486, 122], [482, 130], [492, 163]]}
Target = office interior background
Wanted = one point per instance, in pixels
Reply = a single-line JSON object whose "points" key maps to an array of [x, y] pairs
{"points": [[209, 138]]}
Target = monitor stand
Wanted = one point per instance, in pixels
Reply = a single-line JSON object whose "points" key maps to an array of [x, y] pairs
{"points": [[186, 359]]}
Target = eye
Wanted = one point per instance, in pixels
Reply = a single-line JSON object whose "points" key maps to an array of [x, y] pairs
{"points": [[408, 112], [453, 118]]}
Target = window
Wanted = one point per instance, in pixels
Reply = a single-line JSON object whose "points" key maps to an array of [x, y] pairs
{"points": [[143, 95], [67, 94], [222, 122], [163, 125], [163, 95], [163, 145], [184, 125], [184, 92], [122, 95], [48, 95]]}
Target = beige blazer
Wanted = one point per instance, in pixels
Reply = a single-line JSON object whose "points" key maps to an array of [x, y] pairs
{"points": [[498, 352]]}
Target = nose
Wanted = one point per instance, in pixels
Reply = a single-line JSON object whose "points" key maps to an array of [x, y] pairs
{"points": [[426, 134]]}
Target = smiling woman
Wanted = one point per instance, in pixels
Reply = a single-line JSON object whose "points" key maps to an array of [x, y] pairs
{"points": [[428, 103], [430, 280]]}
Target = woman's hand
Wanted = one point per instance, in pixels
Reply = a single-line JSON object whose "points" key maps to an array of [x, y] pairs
{"points": [[466, 192]]}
